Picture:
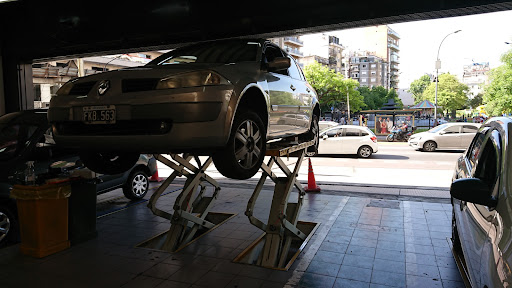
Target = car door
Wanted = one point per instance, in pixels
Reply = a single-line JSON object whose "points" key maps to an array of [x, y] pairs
{"points": [[281, 90], [474, 220], [304, 96], [331, 141], [468, 133], [352, 140], [496, 254], [449, 137]]}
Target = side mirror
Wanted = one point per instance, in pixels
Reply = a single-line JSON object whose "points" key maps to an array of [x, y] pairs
{"points": [[472, 190], [279, 63]]}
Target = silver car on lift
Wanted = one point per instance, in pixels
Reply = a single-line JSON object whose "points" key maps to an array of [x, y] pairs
{"points": [[222, 98]]}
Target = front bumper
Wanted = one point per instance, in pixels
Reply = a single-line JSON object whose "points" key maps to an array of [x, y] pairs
{"points": [[152, 122]]}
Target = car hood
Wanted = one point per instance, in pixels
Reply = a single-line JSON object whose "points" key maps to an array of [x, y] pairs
{"points": [[421, 134], [232, 72]]}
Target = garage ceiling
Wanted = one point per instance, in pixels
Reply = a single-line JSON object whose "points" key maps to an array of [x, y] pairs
{"points": [[40, 30]]}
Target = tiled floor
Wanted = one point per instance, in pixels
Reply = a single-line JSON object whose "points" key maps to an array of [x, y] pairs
{"points": [[361, 242]]}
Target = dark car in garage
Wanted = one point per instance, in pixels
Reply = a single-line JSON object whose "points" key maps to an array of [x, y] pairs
{"points": [[26, 136], [482, 206]]}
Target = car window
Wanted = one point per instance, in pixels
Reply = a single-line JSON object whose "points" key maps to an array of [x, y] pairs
{"points": [[352, 132], [469, 129], [452, 130], [210, 52], [293, 70], [333, 132], [487, 164], [271, 53], [475, 148]]}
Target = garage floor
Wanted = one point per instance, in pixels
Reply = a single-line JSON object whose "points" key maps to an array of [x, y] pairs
{"points": [[361, 242]]}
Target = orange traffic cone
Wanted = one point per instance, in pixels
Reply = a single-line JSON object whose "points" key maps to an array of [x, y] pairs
{"points": [[154, 177], [311, 180]]}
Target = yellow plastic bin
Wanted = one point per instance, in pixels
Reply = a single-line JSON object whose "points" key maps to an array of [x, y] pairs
{"points": [[43, 218]]}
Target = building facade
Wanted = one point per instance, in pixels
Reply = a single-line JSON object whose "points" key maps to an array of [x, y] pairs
{"points": [[476, 75], [323, 46], [385, 42], [369, 70], [291, 44]]}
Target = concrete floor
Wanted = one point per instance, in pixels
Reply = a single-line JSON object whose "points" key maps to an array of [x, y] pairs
{"points": [[363, 241]]}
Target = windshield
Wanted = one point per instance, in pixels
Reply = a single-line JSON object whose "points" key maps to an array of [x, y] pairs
{"points": [[9, 135], [211, 52], [438, 128]]}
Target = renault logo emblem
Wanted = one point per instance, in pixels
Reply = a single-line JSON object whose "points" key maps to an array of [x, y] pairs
{"points": [[103, 87]]}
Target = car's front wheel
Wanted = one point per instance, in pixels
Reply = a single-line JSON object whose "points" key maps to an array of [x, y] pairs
{"points": [[8, 226], [137, 185], [365, 151], [245, 150], [429, 146], [108, 162]]}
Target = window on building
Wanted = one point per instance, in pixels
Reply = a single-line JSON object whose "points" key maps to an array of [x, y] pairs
{"points": [[364, 65], [374, 66], [374, 73], [363, 80], [373, 79], [363, 73], [37, 92]]}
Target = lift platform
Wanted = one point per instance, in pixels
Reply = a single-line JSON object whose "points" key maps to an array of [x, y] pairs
{"points": [[284, 236]]}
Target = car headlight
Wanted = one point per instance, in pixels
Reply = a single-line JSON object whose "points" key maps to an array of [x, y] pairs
{"points": [[193, 79], [65, 89]]}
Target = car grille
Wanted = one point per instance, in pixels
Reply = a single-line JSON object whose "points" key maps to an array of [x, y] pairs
{"points": [[82, 88], [135, 85], [136, 127]]}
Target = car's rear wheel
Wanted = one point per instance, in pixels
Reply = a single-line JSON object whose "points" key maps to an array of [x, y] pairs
{"points": [[137, 185], [9, 232], [429, 146], [313, 134], [245, 150], [365, 151], [108, 162]]}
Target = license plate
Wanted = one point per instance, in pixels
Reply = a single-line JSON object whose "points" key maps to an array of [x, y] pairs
{"points": [[99, 114]]}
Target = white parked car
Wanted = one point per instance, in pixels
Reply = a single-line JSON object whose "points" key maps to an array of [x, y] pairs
{"points": [[456, 135], [348, 139], [327, 124]]}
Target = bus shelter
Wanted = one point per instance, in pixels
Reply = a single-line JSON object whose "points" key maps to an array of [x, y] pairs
{"points": [[382, 121]]}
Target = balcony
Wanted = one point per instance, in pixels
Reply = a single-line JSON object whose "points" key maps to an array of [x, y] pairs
{"points": [[294, 41], [294, 52], [393, 46], [392, 33], [322, 60], [395, 67]]}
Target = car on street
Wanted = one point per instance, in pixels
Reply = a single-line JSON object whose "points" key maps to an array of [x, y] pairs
{"points": [[445, 136], [348, 139], [327, 124], [222, 98], [26, 136], [482, 206]]}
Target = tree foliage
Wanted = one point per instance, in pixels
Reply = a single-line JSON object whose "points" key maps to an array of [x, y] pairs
{"points": [[418, 86], [498, 94], [451, 94], [332, 88], [375, 97]]}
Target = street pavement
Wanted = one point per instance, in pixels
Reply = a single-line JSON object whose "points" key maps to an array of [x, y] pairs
{"points": [[396, 170]]}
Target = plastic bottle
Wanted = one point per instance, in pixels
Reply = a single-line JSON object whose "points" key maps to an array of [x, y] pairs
{"points": [[30, 174]]}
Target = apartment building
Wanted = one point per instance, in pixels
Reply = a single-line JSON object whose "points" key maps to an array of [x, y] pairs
{"points": [[323, 46], [385, 42], [475, 76], [292, 45], [48, 77], [368, 69]]}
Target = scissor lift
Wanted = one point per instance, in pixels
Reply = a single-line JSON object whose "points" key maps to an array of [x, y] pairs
{"points": [[192, 206]]}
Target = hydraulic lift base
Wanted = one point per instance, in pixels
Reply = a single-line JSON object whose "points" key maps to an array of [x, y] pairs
{"points": [[158, 241], [252, 253]]}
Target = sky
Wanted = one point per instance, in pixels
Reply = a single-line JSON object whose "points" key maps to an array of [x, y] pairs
{"points": [[482, 39]]}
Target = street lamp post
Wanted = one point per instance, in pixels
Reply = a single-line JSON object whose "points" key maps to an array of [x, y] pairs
{"points": [[438, 66]]}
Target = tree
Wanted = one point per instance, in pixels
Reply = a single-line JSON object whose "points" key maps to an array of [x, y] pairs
{"points": [[332, 89], [375, 97], [393, 95], [475, 102], [451, 94], [498, 94], [418, 86]]}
